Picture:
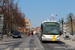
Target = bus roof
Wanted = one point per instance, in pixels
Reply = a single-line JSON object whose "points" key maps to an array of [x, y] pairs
{"points": [[49, 21]]}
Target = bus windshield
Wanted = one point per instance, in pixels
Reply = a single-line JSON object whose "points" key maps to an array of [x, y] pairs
{"points": [[51, 28]]}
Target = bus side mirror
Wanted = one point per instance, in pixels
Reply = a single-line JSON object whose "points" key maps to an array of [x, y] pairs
{"points": [[41, 27], [60, 33]]}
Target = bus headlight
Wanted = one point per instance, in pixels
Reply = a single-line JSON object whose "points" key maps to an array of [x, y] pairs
{"points": [[58, 36], [43, 36]]}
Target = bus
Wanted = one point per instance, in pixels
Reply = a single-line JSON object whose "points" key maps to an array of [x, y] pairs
{"points": [[50, 31]]}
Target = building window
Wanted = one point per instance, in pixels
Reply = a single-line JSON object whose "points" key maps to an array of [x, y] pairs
{"points": [[28, 29], [27, 22], [26, 25], [29, 25]]}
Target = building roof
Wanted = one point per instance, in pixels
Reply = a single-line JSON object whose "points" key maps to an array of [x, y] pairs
{"points": [[37, 27]]}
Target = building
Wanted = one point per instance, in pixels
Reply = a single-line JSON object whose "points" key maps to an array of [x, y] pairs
{"points": [[27, 25], [64, 28], [68, 25], [38, 29], [34, 29]]}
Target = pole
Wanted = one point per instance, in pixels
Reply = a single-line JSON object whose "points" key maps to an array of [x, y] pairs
{"points": [[7, 28], [10, 30], [1, 33], [71, 23], [71, 26], [62, 25]]}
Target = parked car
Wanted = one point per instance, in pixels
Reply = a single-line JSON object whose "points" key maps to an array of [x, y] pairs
{"points": [[16, 34]]}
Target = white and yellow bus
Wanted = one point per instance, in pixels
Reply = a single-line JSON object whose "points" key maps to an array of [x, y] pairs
{"points": [[50, 31]]}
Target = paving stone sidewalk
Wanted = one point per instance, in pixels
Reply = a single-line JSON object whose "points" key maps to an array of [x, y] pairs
{"points": [[69, 42], [5, 42]]}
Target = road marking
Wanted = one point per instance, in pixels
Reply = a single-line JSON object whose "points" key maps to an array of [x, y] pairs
{"points": [[54, 36], [36, 48], [20, 48], [26, 48], [16, 48], [7, 48]]}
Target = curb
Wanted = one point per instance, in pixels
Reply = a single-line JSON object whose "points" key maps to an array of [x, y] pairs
{"points": [[39, 44]]}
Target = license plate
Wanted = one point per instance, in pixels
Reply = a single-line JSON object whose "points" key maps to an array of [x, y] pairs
{"points": [[16, 36]]}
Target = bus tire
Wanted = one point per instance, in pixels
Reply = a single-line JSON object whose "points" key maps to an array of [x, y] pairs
{"points": [[41, 40]]}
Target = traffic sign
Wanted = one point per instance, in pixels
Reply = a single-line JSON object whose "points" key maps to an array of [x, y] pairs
{"points": [[1, 20]]}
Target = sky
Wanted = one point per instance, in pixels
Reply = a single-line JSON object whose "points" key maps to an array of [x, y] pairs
{"points": [[39, 10]]}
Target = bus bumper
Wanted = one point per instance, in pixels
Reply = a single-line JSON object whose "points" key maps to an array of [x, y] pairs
{"points": [[49, 39]]}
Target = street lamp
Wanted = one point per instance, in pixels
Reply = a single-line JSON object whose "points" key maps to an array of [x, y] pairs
{"points": [[71, 23], [62, 24]]}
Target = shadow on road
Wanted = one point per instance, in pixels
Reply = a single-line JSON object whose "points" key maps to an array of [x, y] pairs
{"points": [[17, 37], [56, 42]]}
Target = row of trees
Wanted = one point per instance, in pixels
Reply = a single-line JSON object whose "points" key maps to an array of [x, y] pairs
{"points": [[70, 19], [12, 15]]}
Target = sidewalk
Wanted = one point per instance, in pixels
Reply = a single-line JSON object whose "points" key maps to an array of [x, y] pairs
{"points": [[6, 42], [30, 42], [68, 42]]}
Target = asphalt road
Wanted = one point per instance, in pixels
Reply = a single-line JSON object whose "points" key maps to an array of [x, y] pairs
{"points": [[24, 43], [48, 45]]}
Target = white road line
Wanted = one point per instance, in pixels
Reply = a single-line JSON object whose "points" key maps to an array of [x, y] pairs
{"points": [[19, 48], [39, 44], [16, 48], [36, 48], [7, 48], [26, 48]]}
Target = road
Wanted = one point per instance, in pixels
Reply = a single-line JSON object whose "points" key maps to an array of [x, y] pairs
{"points": [[32, 43], [24, 43], [48, 45]]}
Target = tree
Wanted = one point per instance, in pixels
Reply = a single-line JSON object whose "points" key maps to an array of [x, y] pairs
{"points": [[12, 13], [70, 18]]}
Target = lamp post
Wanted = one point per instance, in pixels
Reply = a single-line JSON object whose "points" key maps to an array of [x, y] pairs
{"points": [[62, 24], [71, 23], [10, 28], [7, 25]]}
